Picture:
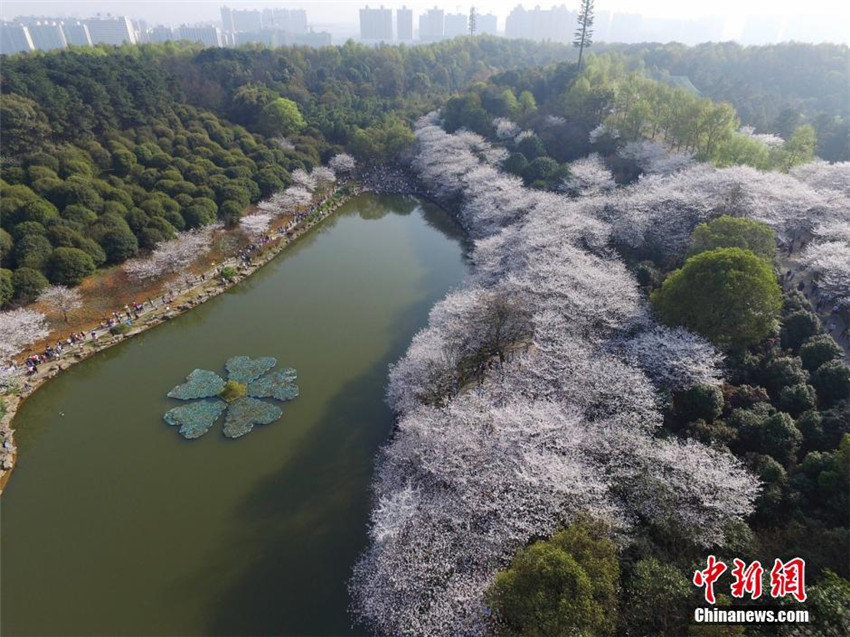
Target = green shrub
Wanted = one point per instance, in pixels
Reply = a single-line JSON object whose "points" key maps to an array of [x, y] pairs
{"points": [[819, 349], [28, 284], [69, 266], [729, 295], [832, 381]]}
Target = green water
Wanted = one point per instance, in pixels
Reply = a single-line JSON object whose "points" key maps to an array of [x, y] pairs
{"points": [[114, 525]]}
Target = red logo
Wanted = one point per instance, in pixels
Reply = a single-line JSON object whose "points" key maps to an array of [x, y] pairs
{"points": [[709, 576], [786, 578]]}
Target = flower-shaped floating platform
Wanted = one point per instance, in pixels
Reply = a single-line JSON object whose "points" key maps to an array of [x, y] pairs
{"points": [[247, 382]]}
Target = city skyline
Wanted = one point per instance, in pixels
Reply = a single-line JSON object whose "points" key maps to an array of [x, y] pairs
{"points": [[612, 25]]}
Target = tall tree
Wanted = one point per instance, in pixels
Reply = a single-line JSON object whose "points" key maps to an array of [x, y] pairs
{"points": [[584, 32]]}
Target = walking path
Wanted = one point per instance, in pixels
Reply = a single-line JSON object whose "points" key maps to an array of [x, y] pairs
{"points": [[157, 311]]}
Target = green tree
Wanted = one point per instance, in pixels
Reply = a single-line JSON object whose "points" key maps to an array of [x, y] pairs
{"points": [[702, 402], [69, 266], [799, 149], [734, 232], [584, 31], [819, 349], [832, 381], [657, 598], [566, 585], [7, 290], [281, 117], [32, 251], [797, 327], [728, 295], [28, 284]]}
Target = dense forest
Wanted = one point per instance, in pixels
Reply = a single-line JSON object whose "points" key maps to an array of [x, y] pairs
{"points": [[108, 152]]}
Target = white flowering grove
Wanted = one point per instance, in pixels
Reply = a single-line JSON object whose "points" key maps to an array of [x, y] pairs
{"points": [[342, 164], [255, 225], [532, 396], [18, 329], [173, 255], [589, 176]]}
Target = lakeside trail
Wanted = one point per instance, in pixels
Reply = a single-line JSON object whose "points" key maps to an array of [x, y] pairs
{"points": [[203, 287]]}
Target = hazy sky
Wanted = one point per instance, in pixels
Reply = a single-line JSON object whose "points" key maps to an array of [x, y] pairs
{"points": [[337, 12]]}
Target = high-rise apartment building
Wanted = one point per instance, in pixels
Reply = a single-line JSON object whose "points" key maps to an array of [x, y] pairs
{"points": [[47, 36], [247, 20], [160, 33], [289, 20], [557, 24], [109, 30], [404, 24], [14, 38], [431, 25], [486, 24], [376, 24], [207, 35], [76, 33], [455, 24]]}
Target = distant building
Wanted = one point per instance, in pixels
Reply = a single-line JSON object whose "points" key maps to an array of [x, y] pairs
{"points": [[557, 24], [376, 24], [114, 31], [311, 38], [404, 24], [431, 25], [47, 36], [76, 33], [288, 20], [266, 38], [486, 24], [160, 33], [206, 35], [15, 38], [455, 24], [247, 20]]}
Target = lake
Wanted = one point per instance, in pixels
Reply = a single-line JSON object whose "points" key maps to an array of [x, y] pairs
{"points": [[113, 524]]}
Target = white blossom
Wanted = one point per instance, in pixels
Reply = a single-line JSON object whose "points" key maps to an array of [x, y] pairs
{"points": [[342, 164], [255, 225], [675, 358], [323, 176], [302, 178], [172, 256], [589, 177], [18, 329], [61, 299], [528, 399], [830, 262], [505, 129]]}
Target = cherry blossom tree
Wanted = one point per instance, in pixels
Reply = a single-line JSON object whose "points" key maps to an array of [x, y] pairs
{"points": [[302, 178], [172, 256], [61, 299], [675, 358], [20, 328], [323, 176], [822, 175], [830, 262], [532, 396], [342, 164], [255, 225], [295, 198], [506, 130], [589, 177]]}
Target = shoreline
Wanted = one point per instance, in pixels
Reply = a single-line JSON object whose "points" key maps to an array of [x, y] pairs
{"points": [[182, 302]]}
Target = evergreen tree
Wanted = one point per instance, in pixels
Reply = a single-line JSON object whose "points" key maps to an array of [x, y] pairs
{"points": [[584, 32]]}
